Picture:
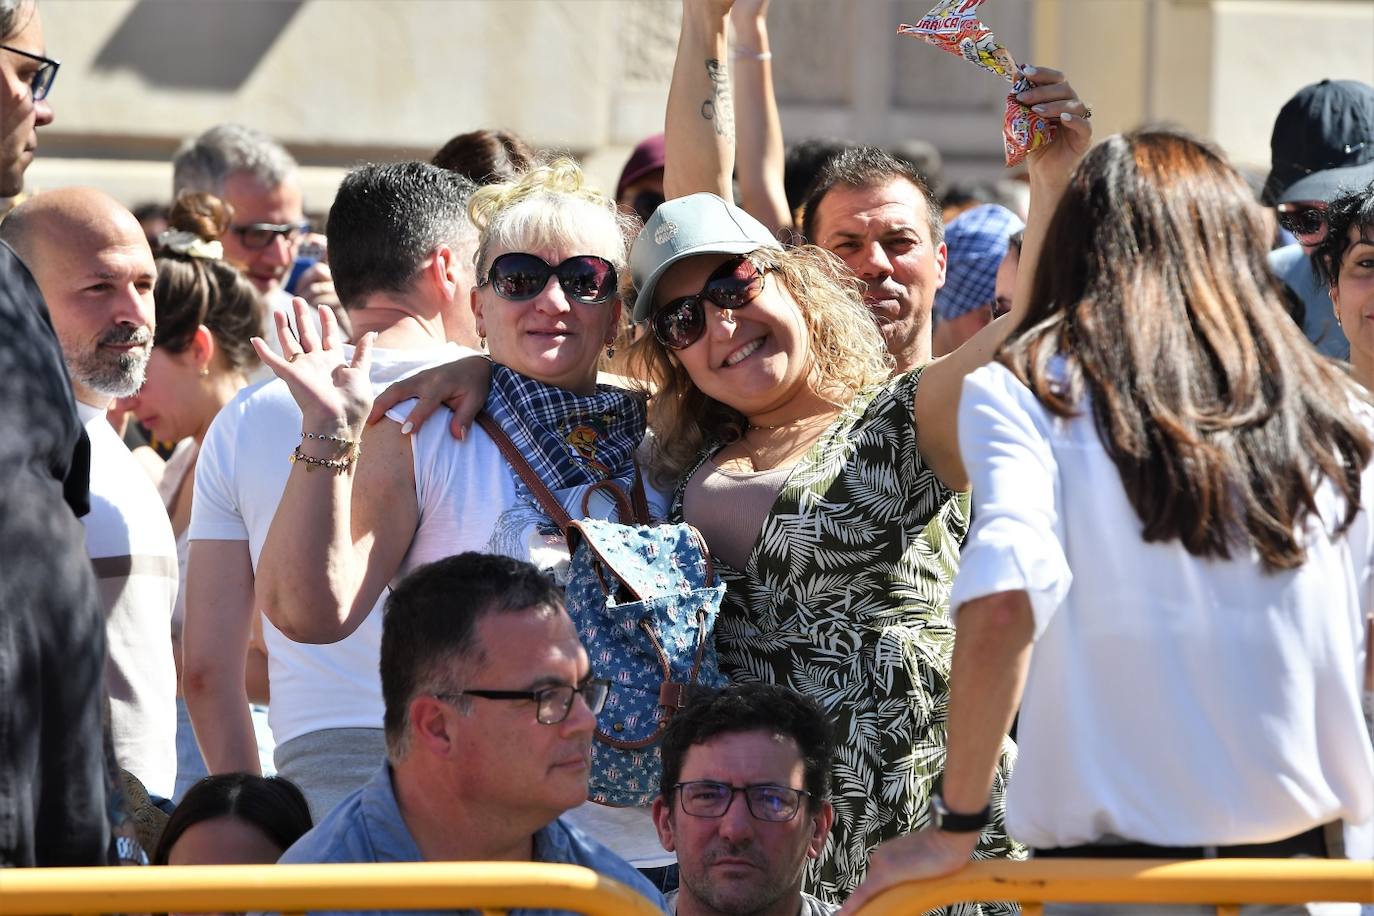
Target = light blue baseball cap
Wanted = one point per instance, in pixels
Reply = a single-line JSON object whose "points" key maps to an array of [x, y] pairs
{"points": [[684, 227]]}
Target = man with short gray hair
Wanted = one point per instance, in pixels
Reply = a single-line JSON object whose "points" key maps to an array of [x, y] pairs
{"points": [[257, 177]]}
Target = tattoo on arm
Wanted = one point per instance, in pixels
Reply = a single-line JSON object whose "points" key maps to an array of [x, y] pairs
{"points": [[719, 108]]}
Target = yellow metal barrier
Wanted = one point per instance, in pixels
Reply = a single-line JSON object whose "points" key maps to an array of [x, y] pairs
{"points": [[1225, 883], [298, 888]]}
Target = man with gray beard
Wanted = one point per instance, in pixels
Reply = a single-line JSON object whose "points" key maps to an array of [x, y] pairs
{"points": [[94, 268]]}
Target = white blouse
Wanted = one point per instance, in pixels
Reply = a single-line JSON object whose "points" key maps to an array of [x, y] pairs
{"points": [[1171, 700]]}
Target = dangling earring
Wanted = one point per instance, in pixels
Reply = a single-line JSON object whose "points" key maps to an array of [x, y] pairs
{"points": [[610, 351], [204, 371], [482, 342]]}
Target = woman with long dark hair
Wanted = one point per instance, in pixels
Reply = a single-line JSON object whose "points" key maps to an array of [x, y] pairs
{"points": [[1171, 562]]}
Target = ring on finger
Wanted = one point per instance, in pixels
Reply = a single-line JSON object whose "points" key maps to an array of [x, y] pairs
{"points": [[1087, 111], [296, 356]]}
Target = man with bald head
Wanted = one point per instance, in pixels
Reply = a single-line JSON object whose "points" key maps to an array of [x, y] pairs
{"points": [[94, 268]]}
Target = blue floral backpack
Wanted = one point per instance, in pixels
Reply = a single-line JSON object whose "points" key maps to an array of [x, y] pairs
{"points": [[644, 598]]}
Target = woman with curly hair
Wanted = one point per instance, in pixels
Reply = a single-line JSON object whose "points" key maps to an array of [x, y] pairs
{"points": [[794, 451]]}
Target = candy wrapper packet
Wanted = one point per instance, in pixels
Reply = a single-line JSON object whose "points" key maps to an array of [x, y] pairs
{"points": [[953, 26]]}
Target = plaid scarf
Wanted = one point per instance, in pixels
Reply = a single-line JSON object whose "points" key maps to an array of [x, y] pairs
{"points": [[571, 440]]}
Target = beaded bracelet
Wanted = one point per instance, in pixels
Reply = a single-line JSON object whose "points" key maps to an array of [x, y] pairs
{"points": [[326, 438], [352, 448]]}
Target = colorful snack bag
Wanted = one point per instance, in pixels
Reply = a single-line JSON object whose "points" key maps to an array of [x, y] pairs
{"points": [[953, 26]]}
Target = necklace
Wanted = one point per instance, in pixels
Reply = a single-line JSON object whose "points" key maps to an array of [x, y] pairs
{"points": [[775, 451], [797, 424]]}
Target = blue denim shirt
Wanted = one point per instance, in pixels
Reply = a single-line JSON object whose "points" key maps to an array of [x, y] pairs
{"points": [[367, 827]]}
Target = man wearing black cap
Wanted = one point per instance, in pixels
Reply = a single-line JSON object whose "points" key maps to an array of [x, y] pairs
{"points": [[1323, 145]]}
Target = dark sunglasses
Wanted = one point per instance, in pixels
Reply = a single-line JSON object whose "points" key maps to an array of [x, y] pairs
{"points": [[254, 236], [42, 78], [519, 276], [1305, 221], [732, 285]]}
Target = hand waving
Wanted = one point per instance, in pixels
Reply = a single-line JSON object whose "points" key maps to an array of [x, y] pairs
{"points": [[333, 394]]}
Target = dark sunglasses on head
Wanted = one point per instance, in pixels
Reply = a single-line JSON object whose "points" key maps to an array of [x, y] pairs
{"points": [[734, 284], [1307, 221], [259, 235], [519, 276], [41, 80]]}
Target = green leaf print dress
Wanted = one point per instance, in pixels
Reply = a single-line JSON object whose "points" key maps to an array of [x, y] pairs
{"points": [[844, 599]]}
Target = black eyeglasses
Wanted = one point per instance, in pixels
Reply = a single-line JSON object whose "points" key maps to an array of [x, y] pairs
{"points": [[254, 236], [553, 704], [705, 798], [732, 285], [519, 276], [41, 81], [1307, 221]]}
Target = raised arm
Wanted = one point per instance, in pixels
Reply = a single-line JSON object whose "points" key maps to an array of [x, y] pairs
{"points": [[759, 152], [321, 569], [937, 398], [699, 133]]}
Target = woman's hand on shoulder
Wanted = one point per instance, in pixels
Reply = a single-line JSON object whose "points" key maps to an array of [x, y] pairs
{"points": [[332, 392], [461, 386]]}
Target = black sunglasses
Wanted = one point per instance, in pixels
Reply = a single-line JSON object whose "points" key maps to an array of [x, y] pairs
{"points": [[1305, 221], [519, 275], [552, 704], [254, 236], [42, 78], [734, 284]]}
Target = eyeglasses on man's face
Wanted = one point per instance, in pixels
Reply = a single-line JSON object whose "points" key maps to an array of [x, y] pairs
{"points": [[706, 798], [40, 80], [552, 704], [255, 236]]}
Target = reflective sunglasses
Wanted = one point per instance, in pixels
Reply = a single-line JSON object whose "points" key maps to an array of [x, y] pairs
{"points": [[552, 704], [255, 236], [1305, 219], [733, 285], [41, 80], [519, 276], [705, 798]]}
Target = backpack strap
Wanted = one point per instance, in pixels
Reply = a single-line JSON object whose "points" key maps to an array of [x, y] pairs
{"points": [[552, 506]]}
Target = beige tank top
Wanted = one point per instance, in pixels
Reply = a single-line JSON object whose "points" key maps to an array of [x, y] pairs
{"points": [[728, 507]]}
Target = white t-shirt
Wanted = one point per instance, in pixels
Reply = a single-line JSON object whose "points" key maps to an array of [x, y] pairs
{"points": [[240, 477], [1171, 700], [467, 499], [129, 539]]}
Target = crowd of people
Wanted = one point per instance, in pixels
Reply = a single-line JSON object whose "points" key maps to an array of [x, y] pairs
{"points": [[1022, 520]]}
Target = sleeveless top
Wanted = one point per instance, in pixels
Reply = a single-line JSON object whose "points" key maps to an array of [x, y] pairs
{"points": [[845, 599]]}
